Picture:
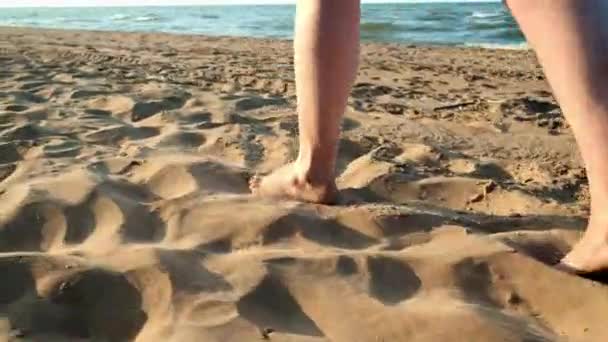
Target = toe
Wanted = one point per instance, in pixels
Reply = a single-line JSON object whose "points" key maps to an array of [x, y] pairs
{"points": [[254, 183]]}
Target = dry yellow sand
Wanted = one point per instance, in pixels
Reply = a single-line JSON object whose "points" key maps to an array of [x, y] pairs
{"points": [[125, 213]]}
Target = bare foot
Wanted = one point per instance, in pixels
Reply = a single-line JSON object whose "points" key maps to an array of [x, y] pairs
{"points": [[590, 254], [288, 182]]}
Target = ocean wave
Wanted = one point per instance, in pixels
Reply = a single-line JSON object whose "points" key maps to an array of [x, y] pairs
{"points": [[486, 14], [148, 18], [120, 17], [209, 16]]}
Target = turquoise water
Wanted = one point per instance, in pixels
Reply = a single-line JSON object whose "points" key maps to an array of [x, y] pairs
{"points": [[417, 23]]}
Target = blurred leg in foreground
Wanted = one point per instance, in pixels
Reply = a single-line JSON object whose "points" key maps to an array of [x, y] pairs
{"points": [[570, 38]]}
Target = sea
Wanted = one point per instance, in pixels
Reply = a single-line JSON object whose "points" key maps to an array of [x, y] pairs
{"points": [[457, 24]]}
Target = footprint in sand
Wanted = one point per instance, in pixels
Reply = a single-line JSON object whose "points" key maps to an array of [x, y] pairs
{"points": [[16, 108]]}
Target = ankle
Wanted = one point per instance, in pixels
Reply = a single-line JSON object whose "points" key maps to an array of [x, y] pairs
{"points": [[315, 171], [598, 225]]}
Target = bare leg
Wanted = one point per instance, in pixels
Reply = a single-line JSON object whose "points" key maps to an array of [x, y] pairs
{"points": [[571, 40], [326, 59]]}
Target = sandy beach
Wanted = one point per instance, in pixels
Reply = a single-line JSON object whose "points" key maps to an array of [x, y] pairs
{"points": [[125, 213]]}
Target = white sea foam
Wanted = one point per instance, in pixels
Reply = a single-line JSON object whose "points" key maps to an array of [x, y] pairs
{"points": [[147, 18], [119, 17], [514, 46], [485, 14]]}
